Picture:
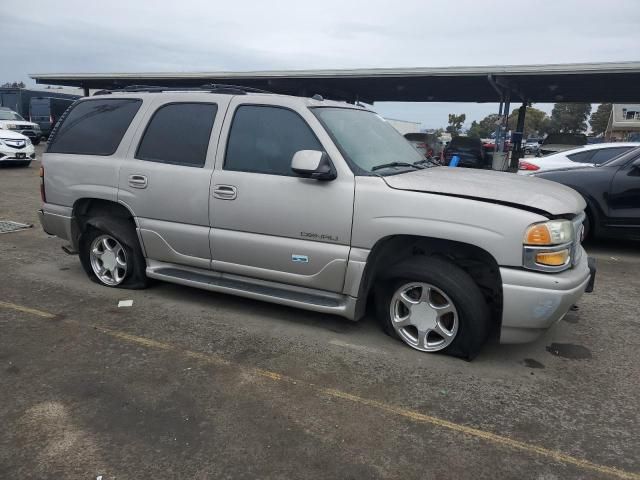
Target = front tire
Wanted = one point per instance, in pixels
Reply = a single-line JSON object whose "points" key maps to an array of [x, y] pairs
{"points": [[433, 305], [111, 255]]}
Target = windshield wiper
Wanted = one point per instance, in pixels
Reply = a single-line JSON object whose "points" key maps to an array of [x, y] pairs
{"points": [[397, 164]]}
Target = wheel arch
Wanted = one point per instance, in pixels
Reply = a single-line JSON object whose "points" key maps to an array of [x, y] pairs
{"points": [[387, 251], [88, 211]]}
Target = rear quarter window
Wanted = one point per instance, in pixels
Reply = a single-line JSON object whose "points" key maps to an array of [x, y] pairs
{"points": [[94, 127]]}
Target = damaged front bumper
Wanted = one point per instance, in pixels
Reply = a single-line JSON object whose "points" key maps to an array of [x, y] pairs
{"points": [[533, 301]]}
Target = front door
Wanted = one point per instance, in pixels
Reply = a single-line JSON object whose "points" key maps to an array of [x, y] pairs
{"points": [[624, 195], [267, 222], [166, 178]]}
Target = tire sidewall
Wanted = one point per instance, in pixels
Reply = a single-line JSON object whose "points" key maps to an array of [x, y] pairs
{"points": [[473, 312], [135, 276]]}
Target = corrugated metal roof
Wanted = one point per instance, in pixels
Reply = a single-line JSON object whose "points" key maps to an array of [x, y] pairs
{"points": [[580, 82]]}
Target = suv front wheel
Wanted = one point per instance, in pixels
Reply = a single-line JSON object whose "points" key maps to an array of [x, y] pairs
{"points": [[111, 255], [433, 305]]}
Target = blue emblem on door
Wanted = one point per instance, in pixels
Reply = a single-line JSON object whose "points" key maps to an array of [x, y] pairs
{"points": [[299, 258]]}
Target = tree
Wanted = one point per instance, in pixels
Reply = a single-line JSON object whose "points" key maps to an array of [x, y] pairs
{"points": [[13, 85], [570, 117], [485, 127], [600, 118], [455, 123], [536, 122]]}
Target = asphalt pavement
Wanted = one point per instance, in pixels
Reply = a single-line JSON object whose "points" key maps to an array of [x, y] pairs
{"points": [[191, 384]]}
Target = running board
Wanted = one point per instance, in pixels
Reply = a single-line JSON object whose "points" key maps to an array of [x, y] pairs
{"points": [[289, 295]]}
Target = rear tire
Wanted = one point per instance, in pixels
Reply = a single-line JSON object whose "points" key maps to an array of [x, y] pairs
{"points": [[454, 313], [111, 255]]}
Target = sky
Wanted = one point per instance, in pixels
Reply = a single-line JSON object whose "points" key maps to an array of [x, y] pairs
{"points": [[199, 35]]}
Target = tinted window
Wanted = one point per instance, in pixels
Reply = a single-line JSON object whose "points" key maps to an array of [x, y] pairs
{"points": [[178, 133], [581, 157], [94, 127], [39, 107], [263, 139], [607, 154]]}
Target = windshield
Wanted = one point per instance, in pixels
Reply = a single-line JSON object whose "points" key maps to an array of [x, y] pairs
{"points": [[9, 115], [367, 140], [622, 159]]}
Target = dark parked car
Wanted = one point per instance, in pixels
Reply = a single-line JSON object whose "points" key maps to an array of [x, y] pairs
{"points": [[469, 150], [558, 142], [612, 193]]}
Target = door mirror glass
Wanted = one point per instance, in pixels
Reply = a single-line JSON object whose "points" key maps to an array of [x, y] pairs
{"points": [[312, 164]]}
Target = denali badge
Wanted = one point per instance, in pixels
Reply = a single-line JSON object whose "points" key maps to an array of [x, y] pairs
{"points": [[299, 258], [319, 236]]}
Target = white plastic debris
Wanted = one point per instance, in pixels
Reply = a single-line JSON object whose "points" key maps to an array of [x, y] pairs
{"points": [[125, 303]]}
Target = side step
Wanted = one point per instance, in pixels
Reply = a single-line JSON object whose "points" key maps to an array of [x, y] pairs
{"points": [[300, 297]]}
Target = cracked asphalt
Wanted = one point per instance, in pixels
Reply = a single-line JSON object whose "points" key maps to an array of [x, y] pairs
{"points": [[192, 384]]}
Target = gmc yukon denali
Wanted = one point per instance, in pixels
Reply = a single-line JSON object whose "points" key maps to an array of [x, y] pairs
{"points": [[313, 204]]}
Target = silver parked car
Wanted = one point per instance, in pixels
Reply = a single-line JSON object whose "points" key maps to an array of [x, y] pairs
{"points": [[312, 204]]}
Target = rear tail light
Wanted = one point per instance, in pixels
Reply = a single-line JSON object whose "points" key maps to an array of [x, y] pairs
{"points": [[527, 166], [43, 196]]}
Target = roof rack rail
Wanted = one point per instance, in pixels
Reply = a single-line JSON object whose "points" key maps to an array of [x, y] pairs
{"points": [[209, 87]]}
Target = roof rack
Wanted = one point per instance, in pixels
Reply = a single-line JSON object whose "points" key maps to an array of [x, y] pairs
{"points": [[209, 87]]}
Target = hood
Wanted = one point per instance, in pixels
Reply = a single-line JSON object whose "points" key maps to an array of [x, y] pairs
{"points": [[13, 135], [529, 193], [21, 123]]}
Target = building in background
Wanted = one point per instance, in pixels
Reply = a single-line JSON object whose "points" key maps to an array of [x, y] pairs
{"points": [[624, 122], [404, 126]]}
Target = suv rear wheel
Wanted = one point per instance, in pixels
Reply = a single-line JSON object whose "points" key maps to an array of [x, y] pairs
{"points": [[111, 255], [433, 305]]}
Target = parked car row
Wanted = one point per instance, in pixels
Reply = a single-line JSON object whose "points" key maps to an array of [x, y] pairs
{"points": [[588, 155]]}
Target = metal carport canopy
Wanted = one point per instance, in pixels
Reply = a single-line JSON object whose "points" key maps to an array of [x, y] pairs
{"points": [[581, 82]]}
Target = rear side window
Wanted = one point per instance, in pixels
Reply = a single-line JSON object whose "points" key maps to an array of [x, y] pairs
{"points": [[94, 127], [178, 133], [581, 157], [607, 154], [263, 139]]}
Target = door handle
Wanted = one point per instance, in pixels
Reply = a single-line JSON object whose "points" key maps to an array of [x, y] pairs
{"points": [[138, 181], [225, 192]]}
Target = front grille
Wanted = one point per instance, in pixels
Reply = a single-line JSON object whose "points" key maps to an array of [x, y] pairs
{"points": [[26, 127]]}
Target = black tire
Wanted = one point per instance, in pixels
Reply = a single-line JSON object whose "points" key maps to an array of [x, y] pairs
{"points": [[123, 231], [473, 311], [36, 141]]}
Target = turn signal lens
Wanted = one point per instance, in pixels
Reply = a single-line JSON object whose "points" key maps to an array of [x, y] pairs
{"points": [[527, 166], [553, 232], [553, 259], [538, 235]]}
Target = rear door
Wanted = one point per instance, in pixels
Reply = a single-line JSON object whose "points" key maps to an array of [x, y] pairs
{"points": [[166, 178], [267, 222]]}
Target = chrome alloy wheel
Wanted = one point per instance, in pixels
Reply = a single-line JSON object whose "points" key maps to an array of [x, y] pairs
{"points": [[424, 316], [108, 260]]}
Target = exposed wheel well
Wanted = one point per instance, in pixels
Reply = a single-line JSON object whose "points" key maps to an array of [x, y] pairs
{"points": [[85, 209], [478, 263]]}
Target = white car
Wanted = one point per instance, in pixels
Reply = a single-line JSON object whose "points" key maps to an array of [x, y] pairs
{"points": [[585, 156], [10, 120], [15, 148]]}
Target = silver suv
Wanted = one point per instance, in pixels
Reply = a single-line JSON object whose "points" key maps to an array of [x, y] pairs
{"points": [[313, 204]]}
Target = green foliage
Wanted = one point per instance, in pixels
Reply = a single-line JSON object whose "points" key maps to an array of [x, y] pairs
{"points": [[600, 118], [485, 127], [570, 117], [536, 122], [13, 85], [455, 123]]}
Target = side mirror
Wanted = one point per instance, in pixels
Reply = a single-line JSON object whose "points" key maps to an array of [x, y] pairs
{"points": [[312, 164]]}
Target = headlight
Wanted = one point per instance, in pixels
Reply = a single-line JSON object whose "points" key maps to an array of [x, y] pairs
{"points": [[554, 232], [11, 126], [548, 246], [28, 141]]}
